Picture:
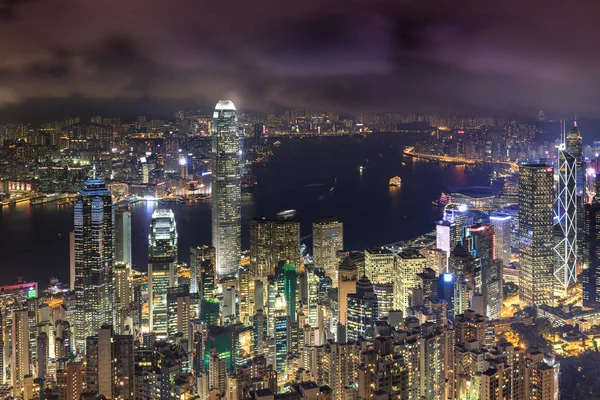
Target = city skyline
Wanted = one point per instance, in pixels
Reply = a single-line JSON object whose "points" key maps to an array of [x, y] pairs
{"points": [[316, 200]]}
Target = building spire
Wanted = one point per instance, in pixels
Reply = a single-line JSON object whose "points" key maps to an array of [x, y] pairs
{"points": [[94, 169], [575, 121]]}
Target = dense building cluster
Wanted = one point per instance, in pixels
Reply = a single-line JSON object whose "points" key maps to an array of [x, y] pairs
{"points": [[393, 322]]}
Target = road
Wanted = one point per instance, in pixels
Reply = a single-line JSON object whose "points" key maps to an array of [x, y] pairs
{"points": [[456, 160]]}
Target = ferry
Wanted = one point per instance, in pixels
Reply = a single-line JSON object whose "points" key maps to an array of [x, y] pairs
{"points": [[277, 143], [396, 181]]}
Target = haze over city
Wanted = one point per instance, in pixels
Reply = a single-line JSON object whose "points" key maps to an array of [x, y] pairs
{"points": [[68, 57]]}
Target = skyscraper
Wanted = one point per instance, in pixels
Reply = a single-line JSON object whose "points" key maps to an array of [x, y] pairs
{"points": [[574, 146], [161, 276], [568, 204], [501, 225], [20, 361], [272, 241], [536, 233], [93, 245], [202, 259], [178, 312], [226, 189], [123, 237], [591, 289], [362, 311], [410, 264], [162, 240], [328, 238], [260, 248]]}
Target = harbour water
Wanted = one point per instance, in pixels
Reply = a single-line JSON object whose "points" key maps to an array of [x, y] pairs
{"points": [[316, 176]]}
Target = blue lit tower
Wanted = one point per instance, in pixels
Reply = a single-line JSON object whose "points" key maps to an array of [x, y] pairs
{"points": [[362, 311], [93, 247], [226, 189], [567, 205]]}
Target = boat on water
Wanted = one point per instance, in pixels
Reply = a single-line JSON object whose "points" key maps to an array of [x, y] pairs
{"points": [[395, 181], [361, 169], [277, 143]]}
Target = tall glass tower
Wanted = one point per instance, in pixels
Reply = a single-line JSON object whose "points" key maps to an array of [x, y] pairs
{"points": [[328, 238], [162, 240], [568, 213], [93, 248], [536, 195], [574, 146], [162, 260], [226, 189]]}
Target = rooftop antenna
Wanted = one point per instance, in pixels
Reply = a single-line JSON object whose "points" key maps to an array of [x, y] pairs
{"points": [[94, 169], [575, 121]]}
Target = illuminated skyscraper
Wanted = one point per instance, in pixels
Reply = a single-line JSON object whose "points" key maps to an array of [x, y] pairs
{"points": [[410, 264], [161, 276], [574, 146], [226, 189], [122, 298], [260, 248], [568, 204], [380, 265], [20, 361], [590, 276], [93, 248], [290, 282], [281, 326], [362, 311], [178, 312], [162, 240], [272, 241], [536, 233], [123, 237], [286, 240], [501, 225], [202, 262], [328, 238]]}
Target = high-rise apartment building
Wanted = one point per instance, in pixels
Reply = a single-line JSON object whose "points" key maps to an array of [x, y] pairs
{"points": [[93, 248], [543, 377], [226, 189], [536, 194], [70, 381], [328, 239], [110, 364]]}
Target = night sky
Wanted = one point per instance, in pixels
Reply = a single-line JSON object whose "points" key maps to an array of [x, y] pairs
{"points": [[68, 57]]}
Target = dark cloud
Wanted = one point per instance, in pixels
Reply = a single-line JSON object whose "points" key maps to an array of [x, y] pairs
{"points": [[354, 55]]}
